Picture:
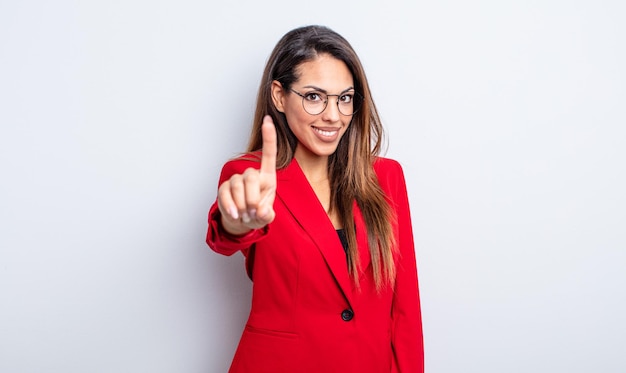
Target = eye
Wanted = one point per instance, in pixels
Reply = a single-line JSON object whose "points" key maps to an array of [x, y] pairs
{"points": [[313, 97], [346, 98]]}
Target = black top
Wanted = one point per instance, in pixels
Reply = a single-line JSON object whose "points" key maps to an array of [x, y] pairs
{"points": [[343, 239]]}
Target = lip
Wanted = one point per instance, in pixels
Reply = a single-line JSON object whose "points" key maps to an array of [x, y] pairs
{"points": [[326, 134]]}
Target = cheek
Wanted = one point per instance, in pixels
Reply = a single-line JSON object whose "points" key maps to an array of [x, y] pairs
{"points": [[296, 116]]}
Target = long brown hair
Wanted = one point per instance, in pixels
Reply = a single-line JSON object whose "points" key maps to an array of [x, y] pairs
{"points": [[350, 168]]}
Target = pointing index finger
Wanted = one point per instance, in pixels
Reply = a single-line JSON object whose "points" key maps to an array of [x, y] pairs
{"points": [[268, 155]]}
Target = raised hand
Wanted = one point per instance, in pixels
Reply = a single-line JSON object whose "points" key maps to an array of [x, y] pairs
{"points": [[246, 200]]}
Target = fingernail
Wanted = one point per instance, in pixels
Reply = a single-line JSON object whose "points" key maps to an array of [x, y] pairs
{"points": [[245, 217], [233, 213], [252, 213]]}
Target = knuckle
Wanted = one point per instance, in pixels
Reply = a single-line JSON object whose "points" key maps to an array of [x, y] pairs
{"points": [[225, 185], [250, 174], [236, 188], [236, 183], [224, 190]]}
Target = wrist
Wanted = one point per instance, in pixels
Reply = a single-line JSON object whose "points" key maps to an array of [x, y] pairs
{"points": [[235, 230]]}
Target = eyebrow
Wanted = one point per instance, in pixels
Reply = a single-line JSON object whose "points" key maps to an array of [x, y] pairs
{"points": [[325, 91]]}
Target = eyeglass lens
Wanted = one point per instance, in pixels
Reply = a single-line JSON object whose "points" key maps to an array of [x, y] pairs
{"points": [[315, 103]]}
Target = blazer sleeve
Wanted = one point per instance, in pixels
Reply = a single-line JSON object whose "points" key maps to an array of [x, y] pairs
{"points": [[217, 238], [406, 331]]}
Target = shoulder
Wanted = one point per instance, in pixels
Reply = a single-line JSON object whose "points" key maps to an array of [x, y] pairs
{"points": [[382, 163], [391, 178], [388, 170]]}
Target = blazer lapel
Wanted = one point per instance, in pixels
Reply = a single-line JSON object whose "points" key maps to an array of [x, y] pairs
{"points": [[298, 196]]}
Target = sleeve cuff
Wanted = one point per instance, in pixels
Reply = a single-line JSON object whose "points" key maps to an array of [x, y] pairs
{"points": [[225, 243]]}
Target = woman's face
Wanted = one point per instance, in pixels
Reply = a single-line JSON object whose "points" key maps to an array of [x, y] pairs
{"points": [[318, 135]]}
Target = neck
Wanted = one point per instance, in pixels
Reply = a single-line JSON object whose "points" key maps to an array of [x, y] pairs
{"points": [[315, 168]]}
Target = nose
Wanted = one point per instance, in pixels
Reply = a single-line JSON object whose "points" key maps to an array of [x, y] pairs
{"points": [[331, 113]]}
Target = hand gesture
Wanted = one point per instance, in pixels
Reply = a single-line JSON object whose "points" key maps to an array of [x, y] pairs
{"points": [[246, 200]]}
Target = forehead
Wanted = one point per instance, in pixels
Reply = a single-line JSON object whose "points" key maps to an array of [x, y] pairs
{"points": [[326, 72]]}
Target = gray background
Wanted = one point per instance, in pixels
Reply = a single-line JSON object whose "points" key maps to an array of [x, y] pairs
{"points": [[116, 116]]}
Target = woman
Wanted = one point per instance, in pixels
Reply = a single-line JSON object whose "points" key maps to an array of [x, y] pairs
{"points": [[323, 222]]}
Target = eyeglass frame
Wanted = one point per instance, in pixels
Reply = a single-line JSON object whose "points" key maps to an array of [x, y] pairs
{"points": [[356, 96]]}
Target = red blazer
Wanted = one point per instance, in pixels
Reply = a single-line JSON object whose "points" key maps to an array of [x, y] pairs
{"points": [[306, 315]]}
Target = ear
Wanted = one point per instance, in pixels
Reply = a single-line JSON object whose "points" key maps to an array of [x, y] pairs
{"points": [[278, 96]]}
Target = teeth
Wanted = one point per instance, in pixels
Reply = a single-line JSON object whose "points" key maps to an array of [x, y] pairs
{"points": [[325, 133]]}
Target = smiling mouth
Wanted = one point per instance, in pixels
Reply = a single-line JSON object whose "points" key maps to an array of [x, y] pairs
{"points": [[326, 132]]}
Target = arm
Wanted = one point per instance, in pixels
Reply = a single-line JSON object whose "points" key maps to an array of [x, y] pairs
{"points": [[406, 334], [245, 198]]}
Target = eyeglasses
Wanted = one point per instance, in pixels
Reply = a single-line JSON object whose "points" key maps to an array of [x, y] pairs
{"points": [[315, 102]]}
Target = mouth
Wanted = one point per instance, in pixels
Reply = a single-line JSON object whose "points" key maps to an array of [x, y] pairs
{"points": [[326, 131]]}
